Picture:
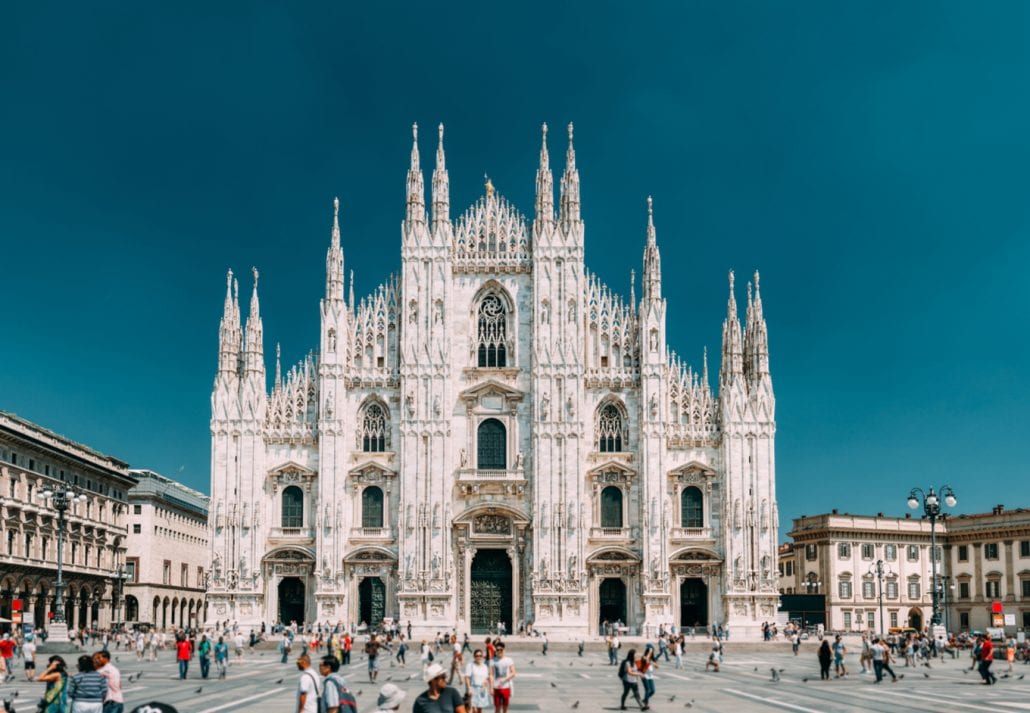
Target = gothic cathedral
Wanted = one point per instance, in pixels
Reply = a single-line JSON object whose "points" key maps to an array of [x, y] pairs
{"points": [[492, 437]]}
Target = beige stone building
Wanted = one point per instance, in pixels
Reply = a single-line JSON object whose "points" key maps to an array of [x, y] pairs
{"points": [[167, 553], [32, 460], [983, 560]]}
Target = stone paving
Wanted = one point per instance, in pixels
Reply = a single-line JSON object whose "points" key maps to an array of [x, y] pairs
{"points": [[564, 681]]}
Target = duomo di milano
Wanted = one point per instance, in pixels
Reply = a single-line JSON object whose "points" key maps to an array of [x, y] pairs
{"points": [[494, 436]]}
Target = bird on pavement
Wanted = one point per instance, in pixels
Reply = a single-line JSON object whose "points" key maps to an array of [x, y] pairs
{"points": [[532, 662], [804, 680], [553, 684], [775, 675], [672, 698], [278, 682], [926, 675], [199, 689], [576, 704], [1020, 676]]}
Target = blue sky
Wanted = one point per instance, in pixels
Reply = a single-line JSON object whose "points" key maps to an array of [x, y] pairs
{"points": [[871, 159]]}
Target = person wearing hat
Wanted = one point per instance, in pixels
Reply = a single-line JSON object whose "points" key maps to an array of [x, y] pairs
{"points": [[390, 698], [439, 697]]}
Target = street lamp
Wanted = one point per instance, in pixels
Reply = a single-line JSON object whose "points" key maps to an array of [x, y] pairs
{"points": [[881, 569], [932, 509], [61, 497]]}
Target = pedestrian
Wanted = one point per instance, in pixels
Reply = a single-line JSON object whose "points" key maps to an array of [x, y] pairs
{"points": [[6, 657], [502, 672], [838, 657], [87, 689], [390, 699], [56, 679], [1010, 652], [986, 659], [204, 655], [141, 645], [221, 657], [544, 651], [309, 688], [237, 644], [477, 681], [795, 642], [825, 658], [715, 657], [647, 668], [677, 647], [629, 674], [402, 650], [457, 660], [114, 702], [334, 686], [348, 642], [372, 651], [284, 648], [183, 655], [28, 652], [438, 697]]}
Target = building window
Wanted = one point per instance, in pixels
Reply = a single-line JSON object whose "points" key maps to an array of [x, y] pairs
{"points": [[1025, 584], [137, 509], [492, 334], [913, 590], [373, 429], [130, 571], [166, 574], [868, 551], [890, 552], [937, 553], [913, 553], [844, 551], [963, 590], [963, 553], [847, 620], [293, 507], [963, 620], [1024, 548], [844, 588], [184, 575], [491, 445], [870, 621], [137, 528], [611, 507], [894, 619], [692, 507], [811, 552], [868, 589], [372, 507], [45, 549], [609, 429], [992, 590], [991, 550]]}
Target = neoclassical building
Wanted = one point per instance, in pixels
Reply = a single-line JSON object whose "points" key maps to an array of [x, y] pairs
{"points": [[493, 435]]}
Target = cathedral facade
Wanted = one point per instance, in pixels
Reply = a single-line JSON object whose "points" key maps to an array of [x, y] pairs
{"points": [[493, 436]]}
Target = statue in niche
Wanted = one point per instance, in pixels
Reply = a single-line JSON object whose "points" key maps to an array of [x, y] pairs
{"points": [[750, 513], [572, 519], [572, 564], [216, 566], [332, 340], [244, 522], [413, 312], [545, 312], [257, 514], [545, 407], [654, 564], [327, 516], [436, 405], [463, 457], [653, 405], [518, 460], [572, 310], [438, 312], [409, 402], [736, 514], [243, 567], [409, 564], [543, 568], [329, 404], [436, 564], [543, 515], [436, 516], [654, 340], [570, 408], [326, 569]]}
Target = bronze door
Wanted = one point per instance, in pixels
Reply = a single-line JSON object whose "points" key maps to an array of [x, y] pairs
{"points": [[372, 598], [491, 596]]}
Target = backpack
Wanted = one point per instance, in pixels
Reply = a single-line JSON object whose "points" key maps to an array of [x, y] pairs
{"points": [[622, 669], [348, 703]]}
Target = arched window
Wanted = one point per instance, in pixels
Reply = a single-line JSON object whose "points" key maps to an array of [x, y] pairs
{"points": [[611, 507], [293, 507], [492, 332], [372, 507], [373, 428], [609, 429], [492, 447], [692, 507]]}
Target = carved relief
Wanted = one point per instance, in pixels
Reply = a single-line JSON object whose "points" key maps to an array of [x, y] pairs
{"points": [[490, 524]]}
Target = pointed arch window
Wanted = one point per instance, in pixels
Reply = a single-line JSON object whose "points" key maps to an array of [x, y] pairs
{"points": [[610, 429], [492, 332], [373, 428], [692, 507], [491, 445], [611, 507], [293, 507], [372, 507]]}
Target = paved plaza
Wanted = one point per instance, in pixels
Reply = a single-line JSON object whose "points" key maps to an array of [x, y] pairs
{"points": [[563, 681]]}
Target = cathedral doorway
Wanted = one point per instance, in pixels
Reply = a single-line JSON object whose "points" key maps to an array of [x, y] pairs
{"points": [[291, 600], [371, 601], [491, 591], [612, 600], [915, 618], [693, 602]]}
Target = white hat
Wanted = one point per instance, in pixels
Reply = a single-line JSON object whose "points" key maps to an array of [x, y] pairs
{"points": [[390, 696], [433, 671]]}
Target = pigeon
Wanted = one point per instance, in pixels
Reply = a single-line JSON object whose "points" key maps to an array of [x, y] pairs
{"points": [[278, 682], [775, 675], [576, 704], [926, 675], [553, 684], [1020, 676], [901, 676], [532, 662], [756, 668], [199, 689], [804, 680], [672, 698], [1005, 675], [965, 670], [570, 663], [116, 659]]}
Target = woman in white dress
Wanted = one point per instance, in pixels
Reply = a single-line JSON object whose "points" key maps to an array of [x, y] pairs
{"points": [[477, 676]]}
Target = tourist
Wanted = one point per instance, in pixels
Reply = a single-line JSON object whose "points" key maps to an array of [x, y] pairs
{"points": [[183, 653], [715, 657], [221, 657], [390, 699], [629, 674], [647, 668], [237, 644], [308, 685], [114, 702], [502, 672], [372, 651], [87, 689], [284, 648], [477, 680], [838, 657], [334, 685], [56, 679], [439, 697], [28, 652], [986, 659], [456, 660], [825, 658], [6, 657]]}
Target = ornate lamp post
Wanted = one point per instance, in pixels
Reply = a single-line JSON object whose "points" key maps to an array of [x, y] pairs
{"points": [[881, 570], [932, 509], [61, 498]]}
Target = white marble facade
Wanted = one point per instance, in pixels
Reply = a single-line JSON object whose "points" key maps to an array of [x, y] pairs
{"points": [[494, 433]]}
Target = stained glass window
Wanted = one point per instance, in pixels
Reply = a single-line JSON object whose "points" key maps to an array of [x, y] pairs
{"points": [[609, 429], [373, 429], [492, 332]]}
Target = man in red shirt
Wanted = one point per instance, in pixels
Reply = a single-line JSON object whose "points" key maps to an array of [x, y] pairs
{"points": [[6, 656], [347, 644], [183, 651], [986, 659]]}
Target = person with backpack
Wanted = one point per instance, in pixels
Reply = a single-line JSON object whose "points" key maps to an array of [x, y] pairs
{"points": [[629, 674], [390, 699], [336, 698], [309, 688], [221, 656], [204, 652]]}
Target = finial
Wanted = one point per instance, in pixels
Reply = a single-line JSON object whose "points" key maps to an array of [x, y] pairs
{"points": [[650, 207], [278, 351], [756, 284], [544, 128], [236, 289], [414, 131], [731, 280], [336, 208], [440, 130], [254, 271], [489, 186], [228, 281], [570, 132], [749, 293], [351, 294]]}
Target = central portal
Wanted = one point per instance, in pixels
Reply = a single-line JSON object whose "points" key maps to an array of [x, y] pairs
{"points": [[490, 599], [372, 601], [693, 603], [291, 601]]}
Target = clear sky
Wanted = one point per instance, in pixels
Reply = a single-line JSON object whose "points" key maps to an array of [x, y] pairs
{"points": [[871, 159]]}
